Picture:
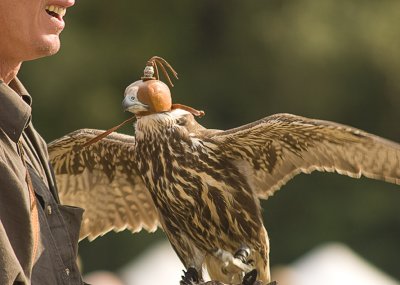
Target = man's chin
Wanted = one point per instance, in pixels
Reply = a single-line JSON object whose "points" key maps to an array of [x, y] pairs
{"points": [[46, 46]]}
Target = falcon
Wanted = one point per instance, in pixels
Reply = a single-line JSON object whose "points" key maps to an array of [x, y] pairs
{"points": [[202, 186]]}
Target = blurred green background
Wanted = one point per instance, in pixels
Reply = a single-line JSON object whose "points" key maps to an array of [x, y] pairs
{"points": [[241, 61]]}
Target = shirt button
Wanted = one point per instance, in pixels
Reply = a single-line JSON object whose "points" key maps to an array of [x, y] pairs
{"points": [[49, 210], [67, 271]]}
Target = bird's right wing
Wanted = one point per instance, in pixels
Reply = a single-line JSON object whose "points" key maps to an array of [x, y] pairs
{"points": [[102, 178], [275, 149]]}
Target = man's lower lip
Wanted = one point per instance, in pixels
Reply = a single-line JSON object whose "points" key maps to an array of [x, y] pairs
{"points": [[60, 24], [57, 22]]}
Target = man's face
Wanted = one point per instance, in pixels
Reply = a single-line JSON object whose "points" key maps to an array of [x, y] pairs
{"points": [[29, 30]]}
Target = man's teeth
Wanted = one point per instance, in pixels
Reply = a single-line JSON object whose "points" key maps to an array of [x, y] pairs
{"points": [[56, 9]]}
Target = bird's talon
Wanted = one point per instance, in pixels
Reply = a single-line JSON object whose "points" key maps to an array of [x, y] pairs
{"points": [[250, 278], [190, 277]]}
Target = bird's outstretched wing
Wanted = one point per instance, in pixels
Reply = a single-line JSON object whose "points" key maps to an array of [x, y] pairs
{"points": [[102, 179], [274, 149]]}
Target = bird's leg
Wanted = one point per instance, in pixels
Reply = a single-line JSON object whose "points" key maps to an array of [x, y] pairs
{"points": [[191, 276], [229, 260], [243, 254]]}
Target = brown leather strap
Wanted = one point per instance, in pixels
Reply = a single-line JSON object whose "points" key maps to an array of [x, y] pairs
{"points": [[197, 113], [106, 133], [33, 206]]}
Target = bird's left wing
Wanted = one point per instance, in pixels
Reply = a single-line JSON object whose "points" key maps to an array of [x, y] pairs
{"points": [[273, 150], [102, 178]]}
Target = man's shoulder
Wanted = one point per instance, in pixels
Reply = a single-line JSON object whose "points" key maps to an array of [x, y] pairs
{"points": [[34, 136]]}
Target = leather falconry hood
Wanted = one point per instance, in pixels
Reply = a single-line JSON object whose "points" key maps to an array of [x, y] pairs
{"points": [[152, 92], [155, 93]]}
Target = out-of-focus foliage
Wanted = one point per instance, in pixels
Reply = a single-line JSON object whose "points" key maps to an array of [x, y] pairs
{"points": [[240, 61]]}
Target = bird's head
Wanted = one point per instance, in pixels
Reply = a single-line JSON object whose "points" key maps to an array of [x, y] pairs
{"points": [[147, 97], [150, 95]]}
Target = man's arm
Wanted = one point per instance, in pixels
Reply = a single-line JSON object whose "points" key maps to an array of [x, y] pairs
{"points": [[15, 242]]}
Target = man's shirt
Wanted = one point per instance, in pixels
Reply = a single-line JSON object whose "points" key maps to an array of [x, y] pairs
{"points": [[31, 254]]}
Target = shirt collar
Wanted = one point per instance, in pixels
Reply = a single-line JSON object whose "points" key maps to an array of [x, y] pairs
{"points": [[15, 109]]}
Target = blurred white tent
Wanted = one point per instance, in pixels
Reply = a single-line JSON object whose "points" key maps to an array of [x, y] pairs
{"points": [[102, 278], [159, 265], [331, 264]]}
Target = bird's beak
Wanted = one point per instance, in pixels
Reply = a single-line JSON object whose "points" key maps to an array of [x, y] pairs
{"points": [[133, 105]]}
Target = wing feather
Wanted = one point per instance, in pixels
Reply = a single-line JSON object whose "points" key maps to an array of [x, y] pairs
{"points": [[273, 150], [102, 178]]}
